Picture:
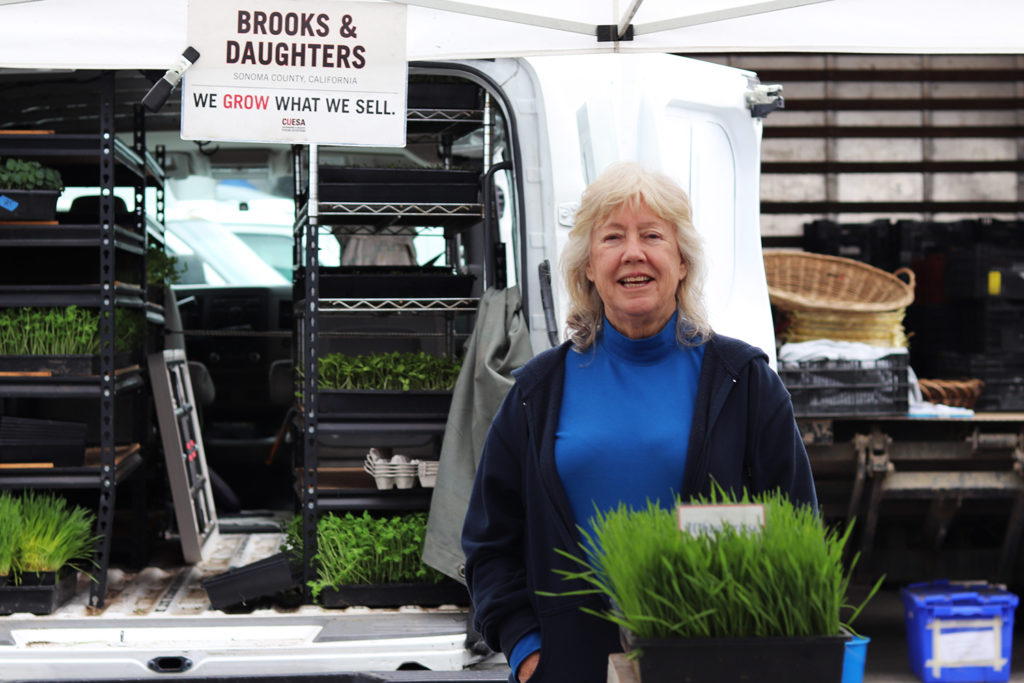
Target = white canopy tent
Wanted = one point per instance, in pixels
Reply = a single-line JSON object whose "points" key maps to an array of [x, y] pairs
{"points": [[151, 34]]}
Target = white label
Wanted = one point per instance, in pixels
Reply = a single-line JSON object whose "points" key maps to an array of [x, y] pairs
{"points": [[966, 646], [709, 519], [294, 71]]}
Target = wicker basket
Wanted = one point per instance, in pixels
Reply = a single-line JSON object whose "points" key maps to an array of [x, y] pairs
{"points": [[801, 281], [961, 393], [830, 297], [877, 329]]}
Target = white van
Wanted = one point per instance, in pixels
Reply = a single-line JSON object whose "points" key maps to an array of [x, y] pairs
{"points": [[563, 119]]}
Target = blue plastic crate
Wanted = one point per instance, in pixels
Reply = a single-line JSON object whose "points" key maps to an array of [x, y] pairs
{"points": [[959, 631]]}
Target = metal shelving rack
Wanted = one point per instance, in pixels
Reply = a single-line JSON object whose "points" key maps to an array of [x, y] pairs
{"points": [[104, 161], [369, 218]]}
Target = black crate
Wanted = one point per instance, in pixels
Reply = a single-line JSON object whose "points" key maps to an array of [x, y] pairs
{"points": [[991, 326], [840, 387], [874, 243], [985, 271], [931, 329], [1002, 373]]}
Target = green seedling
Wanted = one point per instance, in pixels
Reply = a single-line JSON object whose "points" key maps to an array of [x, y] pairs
{"points": [[416, 371], [355, 550]]}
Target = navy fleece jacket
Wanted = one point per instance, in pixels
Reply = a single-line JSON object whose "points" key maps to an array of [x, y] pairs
{"points": [[743, 435]]}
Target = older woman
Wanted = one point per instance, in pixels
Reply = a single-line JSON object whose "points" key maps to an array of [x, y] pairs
{"points": [[644, 402]]}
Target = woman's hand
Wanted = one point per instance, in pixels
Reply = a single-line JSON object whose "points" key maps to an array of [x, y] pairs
{"points": [[528, 666]]}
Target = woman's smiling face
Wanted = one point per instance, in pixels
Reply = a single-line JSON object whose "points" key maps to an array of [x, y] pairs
{"points": [[636, 267]]}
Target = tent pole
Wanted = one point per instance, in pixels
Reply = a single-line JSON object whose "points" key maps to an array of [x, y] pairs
{"points": [[627, 18], [502, 15], [721, 15]]}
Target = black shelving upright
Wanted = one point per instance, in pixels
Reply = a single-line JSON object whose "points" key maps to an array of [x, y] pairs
{"points": [[102, 160]]}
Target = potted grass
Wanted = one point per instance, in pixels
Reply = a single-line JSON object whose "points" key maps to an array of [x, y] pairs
{"points": [[28, 191], [53, 541], [395, 384], [374, 562], [744, 603], [10, 524]]}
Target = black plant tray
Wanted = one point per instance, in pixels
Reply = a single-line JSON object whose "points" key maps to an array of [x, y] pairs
{"points": [[67, 365], [264, 577], [394, 405], [396, 595], [393, 282], [28, 205], [29, 440], [766, 660], [42, 597], [399, 185], [427, 95]]}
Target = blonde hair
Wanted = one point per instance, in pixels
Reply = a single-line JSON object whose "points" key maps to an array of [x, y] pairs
{"points": [[629, 185]]}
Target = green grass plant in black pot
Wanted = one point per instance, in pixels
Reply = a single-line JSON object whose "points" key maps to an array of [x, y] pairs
{"points": [[46, 542], [28, 191], [10, 525], [374, 562], [732, 603]]}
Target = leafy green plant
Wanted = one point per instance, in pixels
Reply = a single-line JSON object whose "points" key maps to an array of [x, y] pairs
{"points": [[785, 580], [10, 524], [18, 174], [355, 550], [415, 371], [62, 331], [49, 331], [42, 533], [162, 268]]}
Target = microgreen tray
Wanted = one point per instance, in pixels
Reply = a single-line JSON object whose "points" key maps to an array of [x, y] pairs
{"points": [[396, 595]]}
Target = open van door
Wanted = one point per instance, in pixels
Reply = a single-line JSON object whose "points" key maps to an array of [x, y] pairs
{"points": [[574, 115]]}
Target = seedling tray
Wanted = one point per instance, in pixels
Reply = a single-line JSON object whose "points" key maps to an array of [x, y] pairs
{"points": [[242, 584], [388, 405], [59, 365], [767, 660], [393, 282], [44, 597], [396, 595], [399, 185], [427, 95], [28, 205]]}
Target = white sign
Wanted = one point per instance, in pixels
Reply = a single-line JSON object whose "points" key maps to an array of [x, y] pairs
{"points": [[709, 519], [962, 648], [295, 71]]}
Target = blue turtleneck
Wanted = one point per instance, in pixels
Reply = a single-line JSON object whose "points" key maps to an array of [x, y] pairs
{"points": [[625, 421]]}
